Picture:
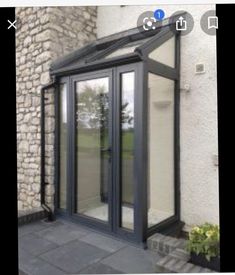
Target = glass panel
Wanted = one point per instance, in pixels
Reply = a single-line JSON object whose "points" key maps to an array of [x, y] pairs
{"points": [[63, 145], [127, 48], [127, 149], [92, 111], [161, 149], [165, 53]]}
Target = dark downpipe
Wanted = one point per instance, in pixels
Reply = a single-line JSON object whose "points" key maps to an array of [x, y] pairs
{"points": [[50, 214]]}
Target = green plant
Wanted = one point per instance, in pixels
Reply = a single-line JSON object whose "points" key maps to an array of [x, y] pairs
{"points": [[204, 239]]}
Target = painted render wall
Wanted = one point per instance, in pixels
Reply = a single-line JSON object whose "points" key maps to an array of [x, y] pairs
{"points": [[198, 123]]}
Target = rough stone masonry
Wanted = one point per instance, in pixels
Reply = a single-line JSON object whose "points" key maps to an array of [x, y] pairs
{"points": [[44, 34]]}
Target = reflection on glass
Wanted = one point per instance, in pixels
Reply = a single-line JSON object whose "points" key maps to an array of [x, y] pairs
{"points": [[161, 149], [127, 48], [92, 111], [165, 53], [63, 145], [127, 149]]}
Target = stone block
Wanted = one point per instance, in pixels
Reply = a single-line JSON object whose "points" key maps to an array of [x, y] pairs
{"points": [[43, 57], [45, 78], [43, 36], [28, 101], [33, 149], [36, 203], [35, 121], [23, 146], [27, 117], [50, 189], [36, 187], [27, 41]]}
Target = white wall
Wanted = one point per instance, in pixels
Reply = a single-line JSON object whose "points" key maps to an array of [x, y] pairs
{"points": [[199, 175]]}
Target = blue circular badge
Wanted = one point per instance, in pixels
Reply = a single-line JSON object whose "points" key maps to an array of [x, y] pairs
{"points": [[159, 14]]}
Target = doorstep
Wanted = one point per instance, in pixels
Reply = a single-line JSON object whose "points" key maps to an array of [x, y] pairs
{"points": [[175, 258]]}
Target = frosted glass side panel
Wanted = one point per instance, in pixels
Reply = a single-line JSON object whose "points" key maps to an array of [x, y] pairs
{"points": [[161, 149], [63, 146], [165, 53]]}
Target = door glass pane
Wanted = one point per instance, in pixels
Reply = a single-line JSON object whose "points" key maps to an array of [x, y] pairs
{"points": [[63, 145], [161, 149], [165, 53], [127, 149], [92, 132]]}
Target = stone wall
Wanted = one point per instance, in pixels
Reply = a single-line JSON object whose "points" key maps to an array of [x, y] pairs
{"points": [[44, 34]]}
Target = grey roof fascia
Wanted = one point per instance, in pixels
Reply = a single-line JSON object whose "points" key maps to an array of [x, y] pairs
{"points": [[67, 59], [98, 64]]}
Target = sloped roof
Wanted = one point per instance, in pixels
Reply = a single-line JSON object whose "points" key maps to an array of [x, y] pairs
{"points": [[127, 46]]}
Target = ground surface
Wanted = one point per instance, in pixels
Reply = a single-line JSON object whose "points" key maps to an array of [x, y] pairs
{"points": [[62, 247]]}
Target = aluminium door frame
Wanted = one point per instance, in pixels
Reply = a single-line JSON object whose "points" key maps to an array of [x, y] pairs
{"points": [[136, 234], [114, 75], [105, 226], [172, 74], [142, 232]]}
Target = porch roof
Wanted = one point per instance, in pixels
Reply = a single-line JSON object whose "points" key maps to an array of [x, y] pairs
{"points": [[123, 47]]}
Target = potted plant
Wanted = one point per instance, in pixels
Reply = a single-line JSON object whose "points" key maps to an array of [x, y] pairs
{"points": [[203, 245]]}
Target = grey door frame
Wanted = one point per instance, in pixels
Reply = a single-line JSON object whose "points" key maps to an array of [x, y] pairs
{"points": [[141, 68], [114, 129]]}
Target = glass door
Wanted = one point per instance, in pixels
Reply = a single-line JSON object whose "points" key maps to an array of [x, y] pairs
{"points": [[102, 157], [93, 147]]}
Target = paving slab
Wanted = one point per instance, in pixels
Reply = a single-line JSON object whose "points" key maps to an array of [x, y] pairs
{"points": [[74, 256], [100, 268], [62, 233], [104, 242], [63, 247], [30, 265], [132, 260], [35, 245], [31, 228]]}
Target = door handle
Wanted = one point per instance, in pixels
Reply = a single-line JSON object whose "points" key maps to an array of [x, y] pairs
{"points": [[106, 150]]}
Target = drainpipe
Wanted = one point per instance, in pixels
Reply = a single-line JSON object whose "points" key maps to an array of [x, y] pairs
{"points": [[50, 214]]}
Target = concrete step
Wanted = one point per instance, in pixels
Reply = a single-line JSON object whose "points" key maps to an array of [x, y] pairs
{"points": [[181, 254], [171, 264], [176, 257], [165, 244]]}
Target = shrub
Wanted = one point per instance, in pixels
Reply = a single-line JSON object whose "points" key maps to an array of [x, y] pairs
{"points": [[204, 240]]}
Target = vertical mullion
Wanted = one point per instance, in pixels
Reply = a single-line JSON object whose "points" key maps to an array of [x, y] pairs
{"points": [[116, 140], [71, 149], [111, 180], [141, 153], [177, 128], [57, 147], [74, 188]]}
